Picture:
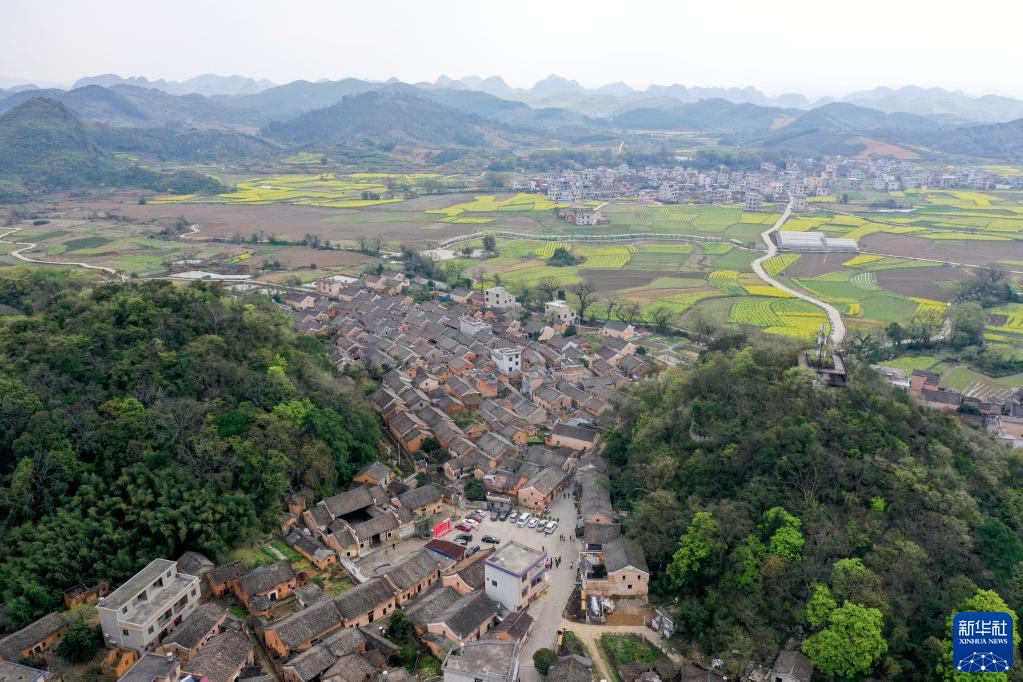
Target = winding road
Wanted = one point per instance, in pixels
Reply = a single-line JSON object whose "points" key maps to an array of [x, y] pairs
{"points": [[28, 246], [834, 317]]}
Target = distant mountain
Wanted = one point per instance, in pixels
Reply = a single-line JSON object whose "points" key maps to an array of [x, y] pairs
{"points": [[207, 84], [618, 89], [556, 85], [45, 146], [845, 117], [389, 118], [292, 99], [955, 105], [709, 115], [993, 140], [190, 146], [129, 105]]}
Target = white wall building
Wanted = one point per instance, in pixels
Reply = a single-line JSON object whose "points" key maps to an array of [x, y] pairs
{"points": [[515, 575], [498, 297], [508, 360], [560, 311], [148, 606]]}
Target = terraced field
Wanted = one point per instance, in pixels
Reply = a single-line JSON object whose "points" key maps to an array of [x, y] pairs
{"points": [[786, 316], [325, 190]]}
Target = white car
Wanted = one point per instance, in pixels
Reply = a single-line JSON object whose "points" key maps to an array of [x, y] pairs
{"points": [[532, 522], [513, 517], [472, 522], [521, 522], [551, 525]]}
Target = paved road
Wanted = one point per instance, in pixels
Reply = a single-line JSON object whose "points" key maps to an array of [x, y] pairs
{"points": [[834, 317], [547, 610]]}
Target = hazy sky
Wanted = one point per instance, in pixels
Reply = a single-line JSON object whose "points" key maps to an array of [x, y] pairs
{"points": [[813, 46]]}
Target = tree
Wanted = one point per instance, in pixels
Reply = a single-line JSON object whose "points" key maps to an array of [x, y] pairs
{"points": [[696, 546], [400, 628], [662, 317], [895, 333], [543, 659], [630, 312], [585, 293], [489, 243], [81, 639], [475, 491], [968, 323], [611, 304], [548, 286], [479, 277], [820, 606], [851, 644], [783, 531], [561, 257]]}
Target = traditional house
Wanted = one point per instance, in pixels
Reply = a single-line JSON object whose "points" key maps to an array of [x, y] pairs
{"points": [[264, 585], [34, 639], [222, 659], [194, 632]]}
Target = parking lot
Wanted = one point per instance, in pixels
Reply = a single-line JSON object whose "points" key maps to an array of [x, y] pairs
{"points": [[547, 610]]}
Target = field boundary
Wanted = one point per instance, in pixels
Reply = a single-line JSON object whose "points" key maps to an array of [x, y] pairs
{"points": [[642, 236]]}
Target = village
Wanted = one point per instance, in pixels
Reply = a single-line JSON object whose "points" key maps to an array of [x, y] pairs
{"points": [[488, 536]]}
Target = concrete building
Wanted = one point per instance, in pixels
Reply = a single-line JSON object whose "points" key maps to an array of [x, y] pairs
{"points": [[148, 606], [508, 360], [754, 202], [498, 297], [484, 660], [814, 242], [515, 575], [560, 311], [470, 326]]}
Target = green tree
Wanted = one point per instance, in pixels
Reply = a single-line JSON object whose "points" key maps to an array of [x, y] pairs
{"points": [[851, 644], [475, 491], [400, 628], [786, 538], [543, 659], [696, 547], [820, 606], [82, 639]]}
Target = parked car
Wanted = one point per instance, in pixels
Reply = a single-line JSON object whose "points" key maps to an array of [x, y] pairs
{"points": [[551, 525], [464, 527], [493, 515], [504, 515], [532, 522], [463, 543], [524, 516], [541, 526], [473, 522], [464, 536], [478, 515], [473, 550], [513, 517], [491, 539], [521, 522]]}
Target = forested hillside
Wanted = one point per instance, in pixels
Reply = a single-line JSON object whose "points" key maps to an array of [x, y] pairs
{"points": [[851, 520], [141, 420]]}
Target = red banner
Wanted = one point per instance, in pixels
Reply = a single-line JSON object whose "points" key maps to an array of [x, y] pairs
{"points": [[442, 528]]}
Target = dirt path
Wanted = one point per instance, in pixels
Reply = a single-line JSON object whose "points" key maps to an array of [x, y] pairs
{"points": [[28, 246], [835, 317]]}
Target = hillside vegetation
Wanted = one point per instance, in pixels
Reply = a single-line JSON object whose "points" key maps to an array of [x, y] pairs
{"points": [[44, 146], [852, 520], [141, 420]]}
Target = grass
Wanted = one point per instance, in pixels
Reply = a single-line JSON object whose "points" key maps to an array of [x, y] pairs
{"points": [[86, 243], [626, 649], [913, 362]]}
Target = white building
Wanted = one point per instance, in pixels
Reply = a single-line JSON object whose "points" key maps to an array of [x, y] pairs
{"points": [[515, 575], [470, 326], [148, 606], [814, 242], [799, 203], [498, 297], [508, 360], [560, 311], [754, 201]]}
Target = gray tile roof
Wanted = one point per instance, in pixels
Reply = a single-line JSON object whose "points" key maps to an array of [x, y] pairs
{"points": [[419, 497], [307, 624], [200, 623], [222, 658], [414, 569], [12, 645], [624, 553], [309, 664], [363, 598], [265, 578]]}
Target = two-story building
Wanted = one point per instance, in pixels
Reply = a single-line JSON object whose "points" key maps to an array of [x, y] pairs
{"points": [[148, 606]]}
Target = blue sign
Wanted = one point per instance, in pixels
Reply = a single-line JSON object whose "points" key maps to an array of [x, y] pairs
{"points": [[982, 641]]}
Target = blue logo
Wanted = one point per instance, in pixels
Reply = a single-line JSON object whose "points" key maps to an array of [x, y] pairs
{"points": [[982, 641]]}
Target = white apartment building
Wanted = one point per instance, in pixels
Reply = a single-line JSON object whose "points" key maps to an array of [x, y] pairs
{"points": [[498, 297], [754, 201], [148, 606], [470, 326]]}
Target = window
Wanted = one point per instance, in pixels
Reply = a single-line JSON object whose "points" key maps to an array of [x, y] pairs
{"points": [[494, 583], [150, 629], [193, 591], [124, 633], [124, 609]]}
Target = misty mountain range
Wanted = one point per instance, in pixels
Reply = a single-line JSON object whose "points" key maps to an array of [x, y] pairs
{"points": [[607, 100]]}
